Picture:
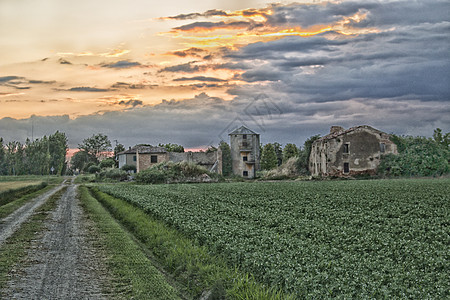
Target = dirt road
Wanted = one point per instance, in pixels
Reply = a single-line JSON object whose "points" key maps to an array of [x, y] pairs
{"points": [[63, 264]]}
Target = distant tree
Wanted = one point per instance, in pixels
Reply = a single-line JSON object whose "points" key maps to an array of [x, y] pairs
{"points": [[268, 157], [107, 163], [172, 147], [57, 150], [79, 160], [117, 149], [442, 139], [226, 158], [303, 160], [279, 152], [95, 146], [417, 156], [290, 150], [93, 169], [129, 168]]}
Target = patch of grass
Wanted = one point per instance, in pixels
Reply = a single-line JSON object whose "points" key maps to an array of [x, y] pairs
{"points": [[135, 277], [12, 194], [17, 202], [15, 247], [190, 264], [14, 185]]}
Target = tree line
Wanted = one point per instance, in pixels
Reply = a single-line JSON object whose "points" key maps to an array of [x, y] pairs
{"points": [[38, 157]]}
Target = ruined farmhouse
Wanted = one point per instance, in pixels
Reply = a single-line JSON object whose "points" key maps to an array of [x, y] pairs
{"points": [[143, 157], [245, 153], [354, 151]]}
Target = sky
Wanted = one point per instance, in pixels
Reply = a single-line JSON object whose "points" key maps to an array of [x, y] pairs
{"points": [[189, 72]]}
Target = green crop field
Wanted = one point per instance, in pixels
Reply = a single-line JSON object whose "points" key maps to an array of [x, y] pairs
{"points": [[352, 239]]}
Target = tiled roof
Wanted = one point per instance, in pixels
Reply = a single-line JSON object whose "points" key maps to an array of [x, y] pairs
{"points": [[342, 132], [242, 130], [144, 150]]}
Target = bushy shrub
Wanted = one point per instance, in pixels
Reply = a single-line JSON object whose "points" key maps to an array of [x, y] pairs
{"points": [[169, 172], [107, 163], [93, 169], [114, 174], [286, 171], [128, 168]]}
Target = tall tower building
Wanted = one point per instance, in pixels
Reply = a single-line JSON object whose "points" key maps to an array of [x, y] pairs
{"points": [[245, 154]]}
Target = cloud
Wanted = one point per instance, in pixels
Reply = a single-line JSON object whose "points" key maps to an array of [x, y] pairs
{"points": [[200, 78], [132, 103], [210, 26], [193, 51], [64, 62], [10, 78], [133, 86], [123, 64], [186, 68], [87, 89], [21, 83]]}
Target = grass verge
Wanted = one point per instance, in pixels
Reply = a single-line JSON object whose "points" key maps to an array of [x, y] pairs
{"points": [[190, 264], [135, 277], [15, 248], [14, 194]]}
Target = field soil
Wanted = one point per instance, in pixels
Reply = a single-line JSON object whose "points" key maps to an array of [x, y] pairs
{"points": [[62, 263]]}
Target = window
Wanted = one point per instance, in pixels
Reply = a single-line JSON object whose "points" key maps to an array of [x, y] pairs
{"points": [[134, 157], [346, 148], [244, 136], [244, 144], [382, 147], [245, 158], [153, 159], [346, 168], [245, 173]]}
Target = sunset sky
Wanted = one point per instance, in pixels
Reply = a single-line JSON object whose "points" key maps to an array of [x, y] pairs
{"points": [[188, 72]]}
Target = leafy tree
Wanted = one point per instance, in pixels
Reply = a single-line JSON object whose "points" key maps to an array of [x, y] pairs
{"points": [[117, 149], [79, 160], [290, 150], [268, 157], [418, 156], [303, 160], [211, 149], [57, 150], [279, 152], [226, 158], [2, 158], [107, 163], [442, 139], [93, 169], [95, 146], [129, 168], [172, 147]]}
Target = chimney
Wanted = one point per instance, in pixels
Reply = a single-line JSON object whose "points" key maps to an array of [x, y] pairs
{"points": [[335, 129]]}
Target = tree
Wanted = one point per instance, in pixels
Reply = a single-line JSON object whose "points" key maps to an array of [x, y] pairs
{"points": [[95, 146], [107, 163], [57, 150], [303, 160], [226, 158], [79, 160], [117, 149], [2, 158], [442, 139], [172, 147], [268, 157], [290, 150], [279, 152]]}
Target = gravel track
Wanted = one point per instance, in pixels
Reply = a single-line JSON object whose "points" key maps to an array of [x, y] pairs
{"points": [[62, 264]]}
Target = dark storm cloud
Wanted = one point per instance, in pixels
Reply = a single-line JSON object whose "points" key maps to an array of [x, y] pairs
{"points": [[200, 78], [122, 64], [186, 68]]}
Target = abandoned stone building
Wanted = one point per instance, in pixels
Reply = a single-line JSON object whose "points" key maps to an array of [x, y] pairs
{"points": [[245, 153], [357, 150], [143, 157]]}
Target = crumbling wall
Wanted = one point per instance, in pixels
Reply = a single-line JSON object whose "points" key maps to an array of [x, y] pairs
{"points": [[204, 159]]}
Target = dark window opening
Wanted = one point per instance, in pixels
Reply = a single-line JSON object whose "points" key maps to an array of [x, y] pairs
{"points": [[245, 158], [134, 157], [382, 147], [244, 144], [245, 173], [346, 148], [346, 167], [153, 159], [244, 136]]}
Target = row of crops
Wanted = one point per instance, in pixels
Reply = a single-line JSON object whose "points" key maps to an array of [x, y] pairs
{"points": [[317, 239]]}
